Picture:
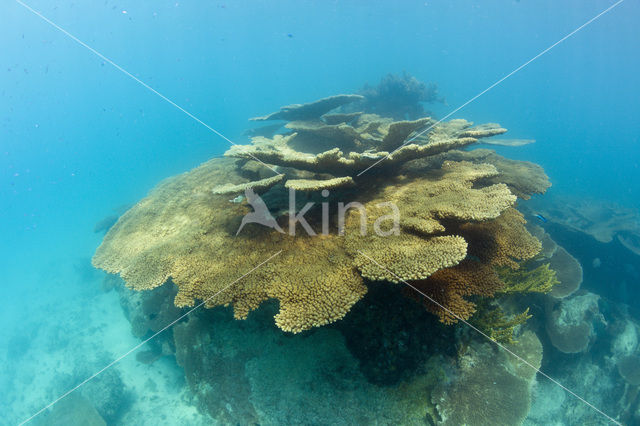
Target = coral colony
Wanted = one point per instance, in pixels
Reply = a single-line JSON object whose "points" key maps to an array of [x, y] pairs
{"points": [[432, 222], [458, 228]]}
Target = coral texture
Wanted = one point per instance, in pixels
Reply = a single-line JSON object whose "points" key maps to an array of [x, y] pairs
{"points": [[491, 388], [442, 223], [603, 221]]}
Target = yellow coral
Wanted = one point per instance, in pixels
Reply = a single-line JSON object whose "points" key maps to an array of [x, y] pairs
{"points": [[183, 231], [540, 279], [318, 184], [442, 211], [258, 186]]}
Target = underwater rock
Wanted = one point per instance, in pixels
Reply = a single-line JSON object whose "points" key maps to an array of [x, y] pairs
{"points": [[491, 387], [72, 410], [625, 342], [249, 372], [148, 312], [629, 369], [107, 393], [148, 357], [213, 364], [392, 339]]}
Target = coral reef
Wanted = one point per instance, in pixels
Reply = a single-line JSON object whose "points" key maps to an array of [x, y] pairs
{"points": [[592, 374], [629, 369], [251, 373], [74, 410], [493, 322], [258, 186], [491, 387], [501, 242], [570, 322], [523, 178], [392, 339], [449, 286], [603, 221], [398, 96], [540, 279], [387, 362], [310, 110], [569, 273], [455, 218]]}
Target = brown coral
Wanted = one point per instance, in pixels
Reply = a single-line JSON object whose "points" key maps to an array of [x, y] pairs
{"points": [[448, 288], [503, 241]]}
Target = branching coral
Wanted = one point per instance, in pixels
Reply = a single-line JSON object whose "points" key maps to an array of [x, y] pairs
{"points": [[501, 242], [497, 325], [540, 279], [445, 290]]}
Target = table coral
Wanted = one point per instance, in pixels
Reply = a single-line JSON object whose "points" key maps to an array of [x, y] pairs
{"points": [[455, 218], [448, 287]]}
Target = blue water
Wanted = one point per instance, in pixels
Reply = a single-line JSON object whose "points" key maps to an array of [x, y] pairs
{"points": [[78, 138]]}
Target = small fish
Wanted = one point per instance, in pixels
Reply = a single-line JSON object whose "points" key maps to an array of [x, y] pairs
{"points": [[237, 200], [540, 218], [290, 35]]}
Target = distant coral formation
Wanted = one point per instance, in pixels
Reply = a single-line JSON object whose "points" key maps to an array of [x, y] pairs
{"points": [[456, 218], [399, 96], [602, 220]]}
